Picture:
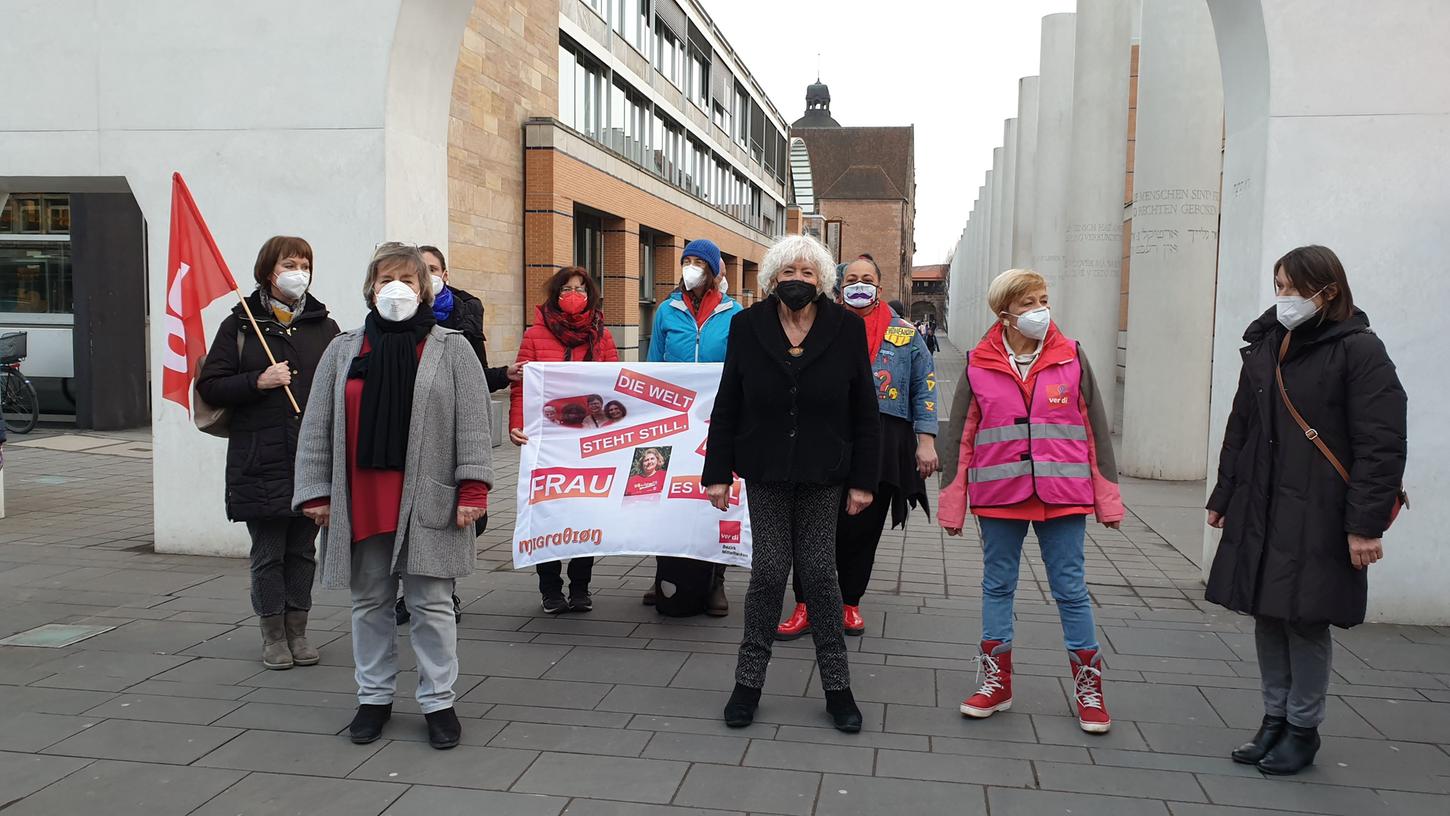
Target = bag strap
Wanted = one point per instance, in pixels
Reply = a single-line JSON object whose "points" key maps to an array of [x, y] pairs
{"points": [[1309, 433]]}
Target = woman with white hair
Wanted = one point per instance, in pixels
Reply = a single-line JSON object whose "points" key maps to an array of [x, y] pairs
{"points": [[795, 417], [1032, 448]]}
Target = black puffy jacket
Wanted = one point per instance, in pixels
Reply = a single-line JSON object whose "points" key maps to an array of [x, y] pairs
{"points": [[467, 317], [263, 428], [1288, 513]]}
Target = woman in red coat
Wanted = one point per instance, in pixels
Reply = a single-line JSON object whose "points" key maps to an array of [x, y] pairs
{"points": [[568, 327]]}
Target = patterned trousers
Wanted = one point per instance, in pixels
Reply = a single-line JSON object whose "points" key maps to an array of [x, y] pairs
{"points": [[793, 525], [284, 561]]}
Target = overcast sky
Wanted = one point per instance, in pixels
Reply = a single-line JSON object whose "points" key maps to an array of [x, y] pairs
{"points": [[949, 67]]}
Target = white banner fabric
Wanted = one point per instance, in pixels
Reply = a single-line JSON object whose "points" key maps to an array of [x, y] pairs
{"points": [[613, 462]]}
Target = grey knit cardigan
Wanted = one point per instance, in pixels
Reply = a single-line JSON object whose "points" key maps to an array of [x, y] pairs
{"points": [[448, 441]]}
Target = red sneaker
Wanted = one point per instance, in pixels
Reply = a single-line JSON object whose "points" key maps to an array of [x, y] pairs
{"points": [[855, 624], [1087, 681], [794, 626], [995, 662]]}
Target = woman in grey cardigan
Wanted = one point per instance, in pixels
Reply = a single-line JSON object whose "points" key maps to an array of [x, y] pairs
{"points": [[394, 464]]}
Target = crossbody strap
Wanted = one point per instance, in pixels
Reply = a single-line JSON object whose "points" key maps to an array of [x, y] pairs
{"points": [[1309, 433]]}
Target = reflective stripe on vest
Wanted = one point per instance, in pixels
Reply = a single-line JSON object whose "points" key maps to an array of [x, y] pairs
{"points": [[1044, 453]]}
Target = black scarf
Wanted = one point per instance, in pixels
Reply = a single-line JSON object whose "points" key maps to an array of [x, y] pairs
{"points": [[388, 372]]}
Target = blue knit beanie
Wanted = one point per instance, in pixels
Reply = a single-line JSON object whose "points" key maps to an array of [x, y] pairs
{"points": [[705, 251]]}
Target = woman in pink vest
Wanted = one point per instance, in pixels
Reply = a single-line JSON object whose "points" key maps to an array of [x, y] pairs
{"points": [[1025, 429]]}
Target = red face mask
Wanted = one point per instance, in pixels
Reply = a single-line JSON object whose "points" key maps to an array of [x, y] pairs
{"points": [[573, 302]]}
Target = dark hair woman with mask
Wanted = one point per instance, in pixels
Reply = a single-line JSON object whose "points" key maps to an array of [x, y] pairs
{"points": [[795, 417], [568, 327], [262, 438], [1308, 481], [394, 463]]}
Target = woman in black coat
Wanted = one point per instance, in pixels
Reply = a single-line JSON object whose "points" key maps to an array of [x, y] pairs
{"points": [[1298, 537], [262, 441], [796, 417]]}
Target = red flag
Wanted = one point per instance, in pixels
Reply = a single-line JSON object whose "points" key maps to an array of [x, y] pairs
{"points": [[196, 275]]}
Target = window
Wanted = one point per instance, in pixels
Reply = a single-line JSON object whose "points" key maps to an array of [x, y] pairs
{"points": [[583, 93], [669, 56], [698, 80], [567, 66], [35, 277], [641, 32], [35, 214], [742, 117], [722, 118], [646, 267], [589, 246]]}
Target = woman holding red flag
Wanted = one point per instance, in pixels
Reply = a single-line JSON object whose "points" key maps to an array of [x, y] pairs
{"points": [[568, 327], [1029, 445], [905, 380]]}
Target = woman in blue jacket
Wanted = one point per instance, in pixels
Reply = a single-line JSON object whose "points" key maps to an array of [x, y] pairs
{"points": [[691, 326], [906, 393]]}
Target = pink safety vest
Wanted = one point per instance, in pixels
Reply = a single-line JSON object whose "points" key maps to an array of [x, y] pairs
{"points": [[1018, 452]]}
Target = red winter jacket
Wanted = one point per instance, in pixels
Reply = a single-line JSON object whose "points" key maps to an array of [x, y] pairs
{"points": [[541, 346]]}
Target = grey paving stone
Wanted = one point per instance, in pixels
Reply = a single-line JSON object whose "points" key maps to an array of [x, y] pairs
{"points": [[1418, 722], [157, 637], [888, 684], [265, 794], [31, 731], [717, 672], [1011, 802], [667, 701], [1244, 708], [798, 757], [279, 752], [1414, 804], [696, 748], [319, 699], [1161, 643], [340, 679], [867, 796], [1031, 694], [1191, 739], [1188, 763], [693, 725], [213, 670], [105, 671], [1110, 781], [573, 739], [595, 807], [127, 789], [545, 693], [1196, 809], [296, 719], [562, 716], [1300, 794], [438, 801], [949, 722], [156, 708], [1067, 731], [629, 666], [204, 691], [466, 766], [1013, 750], [144, 742], [622, 778], [24, 774], [828, 735], [497, 659], [757, 790], [979, 770]]}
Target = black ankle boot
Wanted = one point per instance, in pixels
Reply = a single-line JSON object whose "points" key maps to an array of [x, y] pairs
{"points": [[740, 710], [444, 730], [841, 705], [1269, 734], [367, 724], [1294, 752]]}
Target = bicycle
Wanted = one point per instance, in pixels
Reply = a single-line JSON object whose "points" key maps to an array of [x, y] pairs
{"points": [[18, 402]]}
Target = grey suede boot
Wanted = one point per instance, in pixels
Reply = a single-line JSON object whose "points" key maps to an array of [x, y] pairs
{"points": [[275, 654], [302, 652]]}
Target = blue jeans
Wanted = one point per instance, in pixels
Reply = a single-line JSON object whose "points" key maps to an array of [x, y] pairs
{"points": [[1062, 551]]}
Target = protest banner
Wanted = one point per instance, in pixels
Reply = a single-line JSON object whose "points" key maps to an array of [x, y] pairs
{"points": [[613, 462]]}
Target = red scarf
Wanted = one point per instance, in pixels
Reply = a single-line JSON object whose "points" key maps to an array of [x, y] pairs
{"points": [[705, 307], [878, 320], [582, 329]]}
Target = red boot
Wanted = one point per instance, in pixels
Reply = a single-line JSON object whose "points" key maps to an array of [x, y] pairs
{"points": [[1087, 681], [855, 624], [794, 626], [995, 661]]}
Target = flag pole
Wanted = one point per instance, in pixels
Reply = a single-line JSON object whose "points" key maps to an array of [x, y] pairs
{"points": [[253, 320]]}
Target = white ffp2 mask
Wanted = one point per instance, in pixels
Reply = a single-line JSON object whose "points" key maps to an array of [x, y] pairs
{"points": [[396, 301], [1293, 310], [1034, 324], [293, 283], [692, 276]]}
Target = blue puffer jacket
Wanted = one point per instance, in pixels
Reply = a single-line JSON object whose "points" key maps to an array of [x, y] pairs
{"points": [[906, 377], [675, 338]]}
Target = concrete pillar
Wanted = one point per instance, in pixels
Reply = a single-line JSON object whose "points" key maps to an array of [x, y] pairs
{"points": [[1092, 274], [988, 227], [994, 238], [1054, 143], [1175, 243], [1009, 191], [621, 285], [1026, 166], [1322, 148]]}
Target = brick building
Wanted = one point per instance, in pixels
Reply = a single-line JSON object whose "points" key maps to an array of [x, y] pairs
{"points": [[864, 185], [607, 134], [929, 292]]}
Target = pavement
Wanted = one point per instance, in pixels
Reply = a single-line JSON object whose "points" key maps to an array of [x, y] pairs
{"points": [[618, 711]]}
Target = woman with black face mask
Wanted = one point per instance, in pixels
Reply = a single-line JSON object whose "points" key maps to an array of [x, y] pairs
{"points": [[796, 417]]}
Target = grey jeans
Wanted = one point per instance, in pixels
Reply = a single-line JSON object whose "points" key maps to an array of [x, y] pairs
{"points": [[1294, 664], [434, 632]]}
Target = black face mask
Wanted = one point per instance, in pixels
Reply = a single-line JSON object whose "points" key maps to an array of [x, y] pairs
{"points": [[796, 294]]}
